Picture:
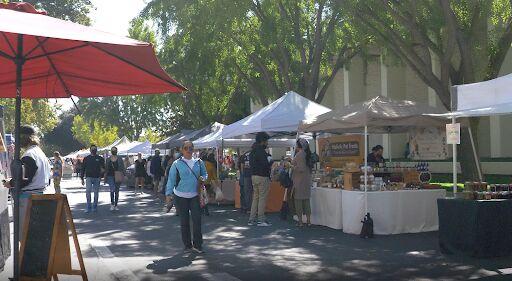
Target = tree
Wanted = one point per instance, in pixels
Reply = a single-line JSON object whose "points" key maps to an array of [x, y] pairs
{"points": [[61, 137], [469, 38], [72, 10], [38, 113], [94, 132], [268, 46]]}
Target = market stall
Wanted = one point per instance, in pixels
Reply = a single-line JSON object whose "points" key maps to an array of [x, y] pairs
{"points": [[474, 224], [386, 191]]}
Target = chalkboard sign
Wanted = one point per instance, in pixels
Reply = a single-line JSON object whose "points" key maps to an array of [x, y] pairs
{"points": [[39, 238], [45, 243]]}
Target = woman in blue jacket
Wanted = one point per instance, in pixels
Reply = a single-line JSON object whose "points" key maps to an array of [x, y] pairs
{"points": [[182, 183]]}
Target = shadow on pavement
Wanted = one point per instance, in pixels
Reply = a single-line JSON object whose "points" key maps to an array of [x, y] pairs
{"points": [[172, 263]]}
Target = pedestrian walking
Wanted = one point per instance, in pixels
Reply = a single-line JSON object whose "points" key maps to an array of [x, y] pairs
{"points": [[156, 170], [211, 183], [260, 162], [36, 170], [93, 168], [140, 172], [57, 171], [302, 165], [114, 176], [185, 176]]}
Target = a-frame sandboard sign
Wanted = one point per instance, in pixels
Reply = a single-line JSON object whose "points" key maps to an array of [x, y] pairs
{"points": [[45, 250]]}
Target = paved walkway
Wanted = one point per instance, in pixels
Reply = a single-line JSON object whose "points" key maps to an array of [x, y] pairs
{"points": [[141, 242]]}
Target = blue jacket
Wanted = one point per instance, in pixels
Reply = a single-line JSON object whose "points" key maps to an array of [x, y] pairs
{"points": [[188, 181]]}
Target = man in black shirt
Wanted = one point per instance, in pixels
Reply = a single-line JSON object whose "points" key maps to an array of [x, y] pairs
{"points": [[156, 170], [93, 168], [260, 162]]}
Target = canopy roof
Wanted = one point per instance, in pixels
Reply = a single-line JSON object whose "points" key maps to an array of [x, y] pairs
{"points": [[178, 139], [380, 114], [62, 58], [121, 141], [283, 115], [134, 148], [490, 97], [214, 139]]}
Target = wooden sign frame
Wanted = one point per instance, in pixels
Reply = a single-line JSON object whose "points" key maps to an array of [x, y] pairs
{"points": [[59, 260]]}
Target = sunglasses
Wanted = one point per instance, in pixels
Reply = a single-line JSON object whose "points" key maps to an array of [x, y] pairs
{"points": [[188, 148]]}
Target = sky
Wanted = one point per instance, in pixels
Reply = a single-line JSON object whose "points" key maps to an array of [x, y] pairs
{"points": [[112, 16]]}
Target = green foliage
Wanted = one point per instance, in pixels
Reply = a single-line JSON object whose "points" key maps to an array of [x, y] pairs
{"points": [[151, 136], [263, 48], [94, 132], [72, 10], [39, 113]]}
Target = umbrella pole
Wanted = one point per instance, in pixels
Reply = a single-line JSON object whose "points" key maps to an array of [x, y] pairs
{"points": [[365, 169], [454, 164], [17, 153]]}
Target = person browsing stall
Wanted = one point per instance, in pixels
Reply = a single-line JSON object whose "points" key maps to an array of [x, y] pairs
{"points": [[182, 185], [375, 157], [36, 169]]}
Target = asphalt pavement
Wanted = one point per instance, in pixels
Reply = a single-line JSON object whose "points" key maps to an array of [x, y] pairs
{"points": [[142, 242]]}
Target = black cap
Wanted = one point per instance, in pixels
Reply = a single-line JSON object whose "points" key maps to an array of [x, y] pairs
{"points": [[27, 130]]}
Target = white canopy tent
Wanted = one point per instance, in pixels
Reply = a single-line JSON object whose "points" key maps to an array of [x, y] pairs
{"points": [[79, 153], [121, 141], [378, 115], [283, 115], [215, 140], [134, 148], [492, 97]]}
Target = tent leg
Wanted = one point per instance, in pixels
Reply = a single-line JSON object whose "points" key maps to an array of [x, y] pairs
{"points": [[454, 164], [17, 155], [365, 169], [478, 168]]}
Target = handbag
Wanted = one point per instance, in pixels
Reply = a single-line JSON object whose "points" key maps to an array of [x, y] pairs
{"points": [[118, 176], [201, 189]]}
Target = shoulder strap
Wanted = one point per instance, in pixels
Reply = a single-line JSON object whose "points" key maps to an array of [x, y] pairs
{"points": [[197, 177]]}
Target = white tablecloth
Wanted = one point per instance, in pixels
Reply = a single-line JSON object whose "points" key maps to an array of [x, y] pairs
{"points": [[393, 212], [326, 207]]}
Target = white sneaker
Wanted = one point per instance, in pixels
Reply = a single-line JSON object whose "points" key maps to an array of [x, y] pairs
{"points": [[112, 207], [116, 208], [264, 223]]}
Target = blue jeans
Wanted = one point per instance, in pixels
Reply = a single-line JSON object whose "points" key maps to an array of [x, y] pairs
{"points": [[114, 190], [92, 185]]}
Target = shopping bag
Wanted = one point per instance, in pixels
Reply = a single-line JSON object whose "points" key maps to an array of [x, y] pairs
{"points": [[118, 176], [203, 196]]}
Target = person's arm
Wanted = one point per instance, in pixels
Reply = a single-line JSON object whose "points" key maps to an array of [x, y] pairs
{"points": [[61, 170], [299, 162], [29, 171], [171, 180], [84, 164]]}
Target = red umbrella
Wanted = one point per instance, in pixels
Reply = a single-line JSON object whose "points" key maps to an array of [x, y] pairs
{"points": [[44, 57]]}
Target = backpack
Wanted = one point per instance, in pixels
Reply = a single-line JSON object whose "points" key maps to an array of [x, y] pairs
{"points": [[285, 179]]}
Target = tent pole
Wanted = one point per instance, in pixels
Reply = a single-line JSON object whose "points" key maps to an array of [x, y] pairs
{"points": [[454, 164], [20, 60], [478, 168], [365, 169]]}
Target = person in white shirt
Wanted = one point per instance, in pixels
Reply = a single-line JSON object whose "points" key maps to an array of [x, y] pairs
{"points": [[36, 169]]}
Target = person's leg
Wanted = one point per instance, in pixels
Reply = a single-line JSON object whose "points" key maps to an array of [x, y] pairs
{"points": [[56, 185], [307, 210], [112, 187], [23, 212], [96, 189], [248, 193], [262, 200], [195, 211], [243, 205], [299, 210], [88, 190], [116, 199], [255, 197], [183, 205]]}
